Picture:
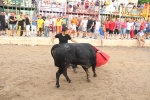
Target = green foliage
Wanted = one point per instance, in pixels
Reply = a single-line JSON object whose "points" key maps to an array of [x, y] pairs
{"points": [[143, 1]]}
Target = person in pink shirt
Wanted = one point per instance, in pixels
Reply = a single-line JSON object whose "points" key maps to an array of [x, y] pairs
{"points": [[123, 29], [117, 28]]}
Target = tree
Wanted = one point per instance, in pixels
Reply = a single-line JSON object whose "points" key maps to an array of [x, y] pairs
{"points": [[143, 1]]}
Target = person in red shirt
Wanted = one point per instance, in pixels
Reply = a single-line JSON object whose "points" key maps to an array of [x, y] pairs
{"points": [[143, 25], [112, 26], [87, 4], [107, 26]]}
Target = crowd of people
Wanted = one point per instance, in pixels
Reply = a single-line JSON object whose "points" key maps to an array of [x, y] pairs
{"points": [[84, 27]]}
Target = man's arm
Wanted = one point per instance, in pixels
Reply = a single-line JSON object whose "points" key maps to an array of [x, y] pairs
{"points": [[73, 40]]}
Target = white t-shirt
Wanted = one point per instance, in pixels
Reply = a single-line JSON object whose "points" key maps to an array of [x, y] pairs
{"points": [[140, 34], [47, 22], [97, 25], [129, 25], [84, 23], [73, 27], [6, 18]]}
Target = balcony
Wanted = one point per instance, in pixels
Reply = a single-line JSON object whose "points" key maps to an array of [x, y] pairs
{"points": [[17, 3]]}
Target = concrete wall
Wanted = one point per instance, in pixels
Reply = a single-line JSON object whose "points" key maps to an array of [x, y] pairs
{"points": [[47, 41]]}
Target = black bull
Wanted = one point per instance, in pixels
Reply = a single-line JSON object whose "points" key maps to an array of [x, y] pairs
{"points": [[70, 53]]}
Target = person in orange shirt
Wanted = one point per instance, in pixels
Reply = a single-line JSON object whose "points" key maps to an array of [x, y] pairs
{"points": [[75, 22], [59, 23]]}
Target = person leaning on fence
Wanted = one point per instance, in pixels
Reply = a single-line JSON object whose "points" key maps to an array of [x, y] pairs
{"points": [[140, 38]]}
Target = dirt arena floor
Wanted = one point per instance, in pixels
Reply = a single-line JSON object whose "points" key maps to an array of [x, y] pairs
{"points": [[28, 73]]}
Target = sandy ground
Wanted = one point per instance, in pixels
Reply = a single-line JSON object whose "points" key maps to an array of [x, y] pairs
{"points": [[28, 73]]}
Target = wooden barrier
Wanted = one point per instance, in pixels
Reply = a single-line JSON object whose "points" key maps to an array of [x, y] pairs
{"points": [[47, 41]]}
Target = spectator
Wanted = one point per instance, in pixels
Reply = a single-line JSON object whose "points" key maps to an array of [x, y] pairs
{"points": [[112, 25], [107, 27], [40, 23], [148, 29], [6, 22], [129, 25], [123, 29], [140, 38], [54, 24], [97, 27], [89, 27], [12, 23], [46, 26], [84, 26], [65, 21], [73, 29], [20, 23], [86, 4], [70, 6], [117, 27], [101, 30], [34, 24], [116, 4], [78, 28], [82, 4], [143, 26], [27, 22], [44, 16], [97, 5], [75, 21], [2, 23], [137, 27], [59, 23], [92, 5], [93, 25]]}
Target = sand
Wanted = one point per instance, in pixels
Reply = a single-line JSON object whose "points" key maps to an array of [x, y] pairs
{"points": [[28, 73]]}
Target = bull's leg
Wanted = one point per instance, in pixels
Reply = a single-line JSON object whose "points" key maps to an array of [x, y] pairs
{"points": [[94, 72], [87, 73], [58, 73], [66, 76]]}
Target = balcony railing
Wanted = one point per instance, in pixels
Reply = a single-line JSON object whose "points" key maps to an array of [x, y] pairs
{"points": [[17, 3]]}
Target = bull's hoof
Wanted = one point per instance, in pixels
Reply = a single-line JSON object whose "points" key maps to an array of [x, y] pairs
{"points": [[94, 75], [69, 81], [88, 80], [58, 86]]}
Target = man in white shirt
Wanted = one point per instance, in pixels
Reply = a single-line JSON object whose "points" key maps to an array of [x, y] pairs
{"points": [[84, 26], [46, 26], [97, 27], [129, 25]]}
